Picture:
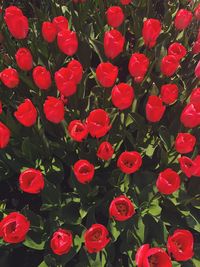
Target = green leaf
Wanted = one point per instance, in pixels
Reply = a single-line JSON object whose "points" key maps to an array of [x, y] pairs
{"points": [[30, 243], [43, 264], [165, 137]]}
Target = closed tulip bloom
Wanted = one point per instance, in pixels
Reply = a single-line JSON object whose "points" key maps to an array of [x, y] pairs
{"points": [[183, 19], [65, 82], [125, 2], [115, 16], [185, 143], [16, 22], [168, 182], [113, 43], [26, 113], [190, 116], [197, 12], [105, 151], [61, 23], [76, 70], [42, 77], [150, 32], [67, 42], [195, 96], [169, 65], [138, 66], [177, 50], [169, 93], [122, 96], [106, 74], [49, 31], [4, 135], [98, 123], [9, 78], [54, 109], [154, 109], [24, 59], [196, 47]]}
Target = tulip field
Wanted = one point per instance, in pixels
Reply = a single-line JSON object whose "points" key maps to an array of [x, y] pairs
{"points": [[100, 133]]}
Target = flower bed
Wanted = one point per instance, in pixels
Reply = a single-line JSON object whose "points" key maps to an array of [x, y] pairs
{"points": [[99, 133]]}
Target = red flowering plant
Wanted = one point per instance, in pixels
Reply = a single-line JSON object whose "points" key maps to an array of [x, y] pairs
{"points": [[99, 133]]}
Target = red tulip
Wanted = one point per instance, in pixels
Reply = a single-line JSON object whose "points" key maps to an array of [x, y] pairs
{"points": [[138, 66], [169, 93], [190, 167], [84, 171], [49, 31], [105, 151], [190, 116], [31, 181], [154, 109], [42, 77], [122, 96], [9, 78], [67, 42], [98, 123], [121, 208], [115, 16], [129, 162], [24, 59], [77, 130], [150, 257], [177, 50], [16, 22], [180, 245], [4, 135], [150, 32], [183, 19], [195, 96], [197, 12], [125, 2], [26, 113], [169, 65], [187, 166], [61, 242], [76, 70], [14, 227], [168, 182], [185, 143], [54, 109], [96, 238], [61, 23], [113, 43], [65, 82], [106, 74], [196, 47]]}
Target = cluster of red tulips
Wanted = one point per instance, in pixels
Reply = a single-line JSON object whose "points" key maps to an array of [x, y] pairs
{"points": [[15, 226]]}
